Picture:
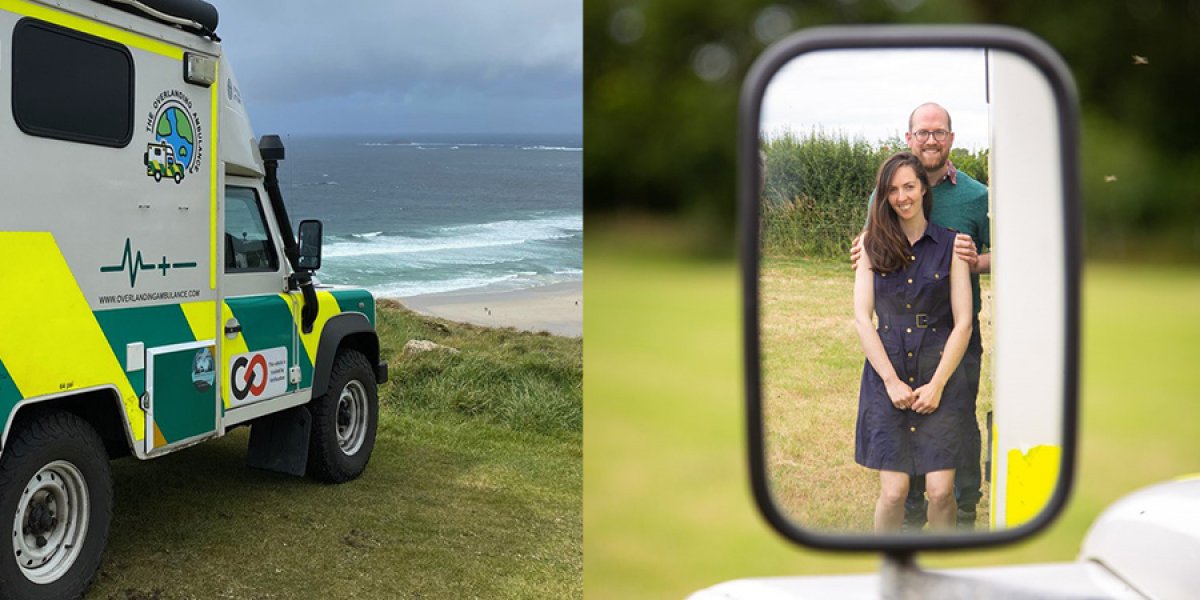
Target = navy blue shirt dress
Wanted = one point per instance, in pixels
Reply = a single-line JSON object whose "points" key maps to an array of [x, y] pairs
{"points": [[914, 322]]}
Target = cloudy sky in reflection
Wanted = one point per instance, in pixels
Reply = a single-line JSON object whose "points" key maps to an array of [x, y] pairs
{"points": [[870, 93]]}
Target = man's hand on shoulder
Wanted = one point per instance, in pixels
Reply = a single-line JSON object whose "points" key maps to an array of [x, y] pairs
{"points": [[856, 251], [964, 248]]}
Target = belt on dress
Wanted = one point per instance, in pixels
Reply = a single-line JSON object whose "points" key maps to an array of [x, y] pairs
{"points": [[919, 320]]}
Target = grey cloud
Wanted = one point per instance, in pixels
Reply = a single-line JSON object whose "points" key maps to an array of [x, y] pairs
{"points": [[307, 52]]}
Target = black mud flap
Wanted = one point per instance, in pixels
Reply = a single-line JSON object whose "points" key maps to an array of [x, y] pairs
{"points": [[279, 442]]}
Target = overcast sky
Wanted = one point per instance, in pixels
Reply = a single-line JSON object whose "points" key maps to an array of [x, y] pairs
{"points": [[416, 66], [870, 93]]}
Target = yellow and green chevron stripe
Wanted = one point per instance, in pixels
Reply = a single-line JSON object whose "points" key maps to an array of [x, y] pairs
{"points": [[53, 342]]}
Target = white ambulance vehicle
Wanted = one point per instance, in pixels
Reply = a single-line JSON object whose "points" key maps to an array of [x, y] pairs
{"points": [[152, 292]]}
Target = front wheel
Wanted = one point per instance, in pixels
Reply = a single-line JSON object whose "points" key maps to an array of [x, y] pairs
{"points": [[56, 498], [344, 420]]}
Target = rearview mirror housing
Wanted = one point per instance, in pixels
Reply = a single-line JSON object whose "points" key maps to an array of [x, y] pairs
{"points": [[1035, 281], [310, 244]]}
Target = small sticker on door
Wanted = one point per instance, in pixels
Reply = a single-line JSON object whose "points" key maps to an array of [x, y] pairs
{"points": [[254, 376], [203, 373]]}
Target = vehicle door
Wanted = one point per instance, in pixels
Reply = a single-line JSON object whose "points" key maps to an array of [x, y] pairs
{"points": [[259, 332]]}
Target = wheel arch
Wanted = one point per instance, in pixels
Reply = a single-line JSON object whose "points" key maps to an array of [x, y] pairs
{"points": [[101, 407], [347, 330]]}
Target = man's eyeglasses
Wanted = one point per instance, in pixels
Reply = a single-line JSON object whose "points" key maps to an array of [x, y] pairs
{"points": [[923, 134]]}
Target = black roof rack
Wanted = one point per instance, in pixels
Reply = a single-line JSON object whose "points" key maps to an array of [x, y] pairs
{"points": [[195, 16]]}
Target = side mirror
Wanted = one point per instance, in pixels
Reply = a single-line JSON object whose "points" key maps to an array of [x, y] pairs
{"points": [[310, 245], [840, 363]]}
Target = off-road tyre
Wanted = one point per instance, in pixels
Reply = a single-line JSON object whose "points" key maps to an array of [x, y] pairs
{"points": [[344, 420], [54, 466]]}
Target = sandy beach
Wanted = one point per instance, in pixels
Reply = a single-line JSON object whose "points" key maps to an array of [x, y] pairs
{"points": [[556, 308]]}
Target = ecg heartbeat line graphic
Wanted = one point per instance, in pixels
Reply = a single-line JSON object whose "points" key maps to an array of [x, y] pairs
{"points": [[135, 264]]}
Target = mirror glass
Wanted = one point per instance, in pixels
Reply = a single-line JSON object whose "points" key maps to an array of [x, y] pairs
{"points": [[310, 245], [922, 392]]}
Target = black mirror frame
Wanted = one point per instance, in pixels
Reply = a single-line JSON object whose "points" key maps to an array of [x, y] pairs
{"points": [[300, 237], [1047, 61]]}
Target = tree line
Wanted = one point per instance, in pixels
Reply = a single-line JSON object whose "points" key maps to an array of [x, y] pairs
{"points": [[662, 77], [815, 188]]}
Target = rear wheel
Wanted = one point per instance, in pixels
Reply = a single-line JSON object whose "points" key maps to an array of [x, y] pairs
{"points": [[344, 420], [56, 498]]}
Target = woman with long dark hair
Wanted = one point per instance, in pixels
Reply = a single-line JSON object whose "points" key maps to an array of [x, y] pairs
{"points": [[913, 406]]}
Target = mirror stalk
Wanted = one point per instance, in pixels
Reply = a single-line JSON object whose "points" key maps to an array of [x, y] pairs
{"points": [[901, 579]]}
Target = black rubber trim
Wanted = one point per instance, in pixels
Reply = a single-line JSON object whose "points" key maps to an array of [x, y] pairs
{"points": [[193, 10], [337, 329], [1050, 64]]}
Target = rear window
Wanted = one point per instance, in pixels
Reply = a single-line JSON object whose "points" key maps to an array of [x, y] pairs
{"points": [[71, 86]]}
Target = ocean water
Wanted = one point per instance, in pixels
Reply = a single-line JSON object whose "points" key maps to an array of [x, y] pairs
{"points": [[430, 213]]}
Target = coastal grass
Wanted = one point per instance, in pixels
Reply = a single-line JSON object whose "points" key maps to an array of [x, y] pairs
{"points": [[462, 498], [527, 381]]}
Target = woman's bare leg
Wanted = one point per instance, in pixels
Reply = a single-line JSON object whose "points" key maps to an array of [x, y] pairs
{"points": [[889, 510], [939, 486]]}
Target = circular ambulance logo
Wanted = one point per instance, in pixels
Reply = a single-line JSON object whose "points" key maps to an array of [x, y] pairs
{"points": [[176, 150]]}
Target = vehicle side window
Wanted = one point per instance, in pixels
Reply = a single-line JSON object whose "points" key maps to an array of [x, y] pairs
{"points": [[248, 246], [69, 85]]}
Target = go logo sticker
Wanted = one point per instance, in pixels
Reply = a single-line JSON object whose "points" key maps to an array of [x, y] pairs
{"points": [[257, 375], [253, 376]]}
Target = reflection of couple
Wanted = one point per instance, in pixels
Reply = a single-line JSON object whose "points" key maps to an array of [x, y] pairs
{"points": [[916, 414]]}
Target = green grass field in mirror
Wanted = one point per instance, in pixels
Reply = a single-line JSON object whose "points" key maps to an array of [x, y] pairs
{"points": [[812, 366], [668, 503]]}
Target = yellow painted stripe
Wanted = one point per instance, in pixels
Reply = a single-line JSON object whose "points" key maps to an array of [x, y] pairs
{"points": [[202, 318], [995, 468], [159, 439], [51, 340], [86, 25], [229, 349], [327, 309], [214, 163], [1031, 479]]}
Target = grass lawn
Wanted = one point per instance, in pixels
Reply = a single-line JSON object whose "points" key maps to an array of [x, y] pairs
{"points": [[812, 368], [473, 491], [667, 493]]}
